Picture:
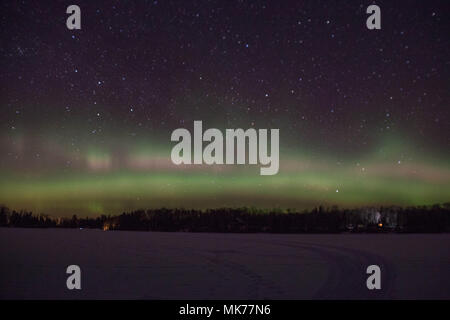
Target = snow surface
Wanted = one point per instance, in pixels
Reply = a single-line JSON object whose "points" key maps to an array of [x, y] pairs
{"points": [[156, 265]]}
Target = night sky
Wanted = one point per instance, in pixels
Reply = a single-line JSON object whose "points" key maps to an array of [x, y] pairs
{"points": [[86, 115]]}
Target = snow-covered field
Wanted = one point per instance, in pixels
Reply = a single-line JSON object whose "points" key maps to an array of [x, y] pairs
{"points": [[152, 265]]}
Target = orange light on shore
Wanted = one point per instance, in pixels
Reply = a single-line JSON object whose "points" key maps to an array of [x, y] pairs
{"points": [[380, 225]]}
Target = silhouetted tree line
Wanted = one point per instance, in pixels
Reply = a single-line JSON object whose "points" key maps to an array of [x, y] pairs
{"points": [[434, 218]]}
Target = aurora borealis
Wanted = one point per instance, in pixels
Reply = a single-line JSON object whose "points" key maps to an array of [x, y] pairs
{"points": [[87, 114]]}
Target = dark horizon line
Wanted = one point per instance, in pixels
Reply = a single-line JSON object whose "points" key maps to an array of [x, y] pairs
{"points": [[422, 219], [254, 209]]}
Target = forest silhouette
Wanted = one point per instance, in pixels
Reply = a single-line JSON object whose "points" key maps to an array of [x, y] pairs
{"points": [[421, 219]]}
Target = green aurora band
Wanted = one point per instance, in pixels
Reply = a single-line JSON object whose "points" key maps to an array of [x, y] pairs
{"points": [[105, 182]]}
